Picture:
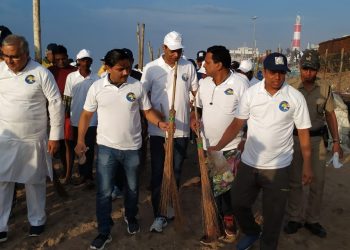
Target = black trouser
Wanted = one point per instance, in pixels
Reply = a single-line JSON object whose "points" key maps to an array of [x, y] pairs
{"points": [[245, 189], [85, 170]]}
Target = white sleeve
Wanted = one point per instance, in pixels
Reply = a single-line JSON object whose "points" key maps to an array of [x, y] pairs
{"points": [[301, 115], [145, 80], [193, 79], [91, 101], [55, 106], [68, 86], [144, 101], [243, 110]]}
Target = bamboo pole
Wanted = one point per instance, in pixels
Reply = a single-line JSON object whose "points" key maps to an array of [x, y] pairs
{"points": [[150, 51], [138, 45], [37, 30], [340, 70], [142, 41]]}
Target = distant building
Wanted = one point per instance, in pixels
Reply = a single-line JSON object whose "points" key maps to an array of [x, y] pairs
{"points": [[243, 53]]}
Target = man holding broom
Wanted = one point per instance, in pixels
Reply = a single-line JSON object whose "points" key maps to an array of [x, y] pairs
{"points": [[157, 79], [218, 97], [272, 109]]}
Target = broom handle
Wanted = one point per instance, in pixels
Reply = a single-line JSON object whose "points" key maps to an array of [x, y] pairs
{"points": [[174, 86], [196, 114]]}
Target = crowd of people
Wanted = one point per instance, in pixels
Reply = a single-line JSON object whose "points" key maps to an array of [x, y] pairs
{"points": [[274, 129]]}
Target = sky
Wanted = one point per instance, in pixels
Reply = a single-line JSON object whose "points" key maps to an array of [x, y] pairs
{"points": [[101, 25]]}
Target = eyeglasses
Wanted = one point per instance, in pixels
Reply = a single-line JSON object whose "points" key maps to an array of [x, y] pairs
{"points": [[15, 57]]}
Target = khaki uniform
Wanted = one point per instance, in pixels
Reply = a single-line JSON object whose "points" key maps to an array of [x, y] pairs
{"points": [[319, 100]]}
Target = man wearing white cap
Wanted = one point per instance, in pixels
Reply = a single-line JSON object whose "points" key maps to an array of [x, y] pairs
{"points": [[158, 79], [75, 91], [245, 71]]}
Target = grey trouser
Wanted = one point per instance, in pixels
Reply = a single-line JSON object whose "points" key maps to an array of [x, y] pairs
{"points": [[296, 206], [245, 189]]}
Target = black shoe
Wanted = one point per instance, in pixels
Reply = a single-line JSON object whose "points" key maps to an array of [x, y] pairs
{"points": [[316, 229], [292, 227], [133, 226], [3, 236], [36, 230], [100, 241]]}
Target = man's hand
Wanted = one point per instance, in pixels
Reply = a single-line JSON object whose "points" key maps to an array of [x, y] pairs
{"points": [[337, 148], [80, 149], [213, 148], [52, 147], [164, 126], [307, 175], [195, 124]]}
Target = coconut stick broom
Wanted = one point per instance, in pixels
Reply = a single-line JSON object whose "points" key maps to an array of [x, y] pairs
{"points": [[169, 191], [209, 209]]}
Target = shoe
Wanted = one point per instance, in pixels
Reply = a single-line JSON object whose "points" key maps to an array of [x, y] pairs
{"points": [[316, 229], [78, 181], [101, 241], [247, 241], [3, 236], [229, 225], [35, 231], [292, 227], [133, 226], [158, 225], [206, 241], [116, 193]]}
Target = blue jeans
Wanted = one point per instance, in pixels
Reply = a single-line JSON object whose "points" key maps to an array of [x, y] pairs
{"points": [[108, 161], [157, 164]]}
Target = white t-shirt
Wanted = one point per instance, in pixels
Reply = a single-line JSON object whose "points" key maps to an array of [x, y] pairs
{"points": [[77, 87], [219, 105], [157, 79], [271, 122], [118, 113]]}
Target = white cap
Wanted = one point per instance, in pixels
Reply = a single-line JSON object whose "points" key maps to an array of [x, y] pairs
{"points": [[202, 69], [173, 40], [245, 66], [84, 53]]}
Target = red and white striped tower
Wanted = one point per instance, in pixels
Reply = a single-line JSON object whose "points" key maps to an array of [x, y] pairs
{"points": [[296, 36]]}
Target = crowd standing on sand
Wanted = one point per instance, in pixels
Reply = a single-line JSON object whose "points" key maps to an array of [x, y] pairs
{"points": [[269, 132]]}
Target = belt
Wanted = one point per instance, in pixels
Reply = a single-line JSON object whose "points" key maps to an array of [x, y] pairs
{"points": [[313, 133]]}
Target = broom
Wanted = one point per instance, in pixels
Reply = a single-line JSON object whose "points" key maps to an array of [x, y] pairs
{"points": [[209, 210], [169, 191]]}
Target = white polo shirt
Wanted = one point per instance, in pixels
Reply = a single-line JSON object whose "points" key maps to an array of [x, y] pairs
{"points": [[118, 113], [77, 87], [271, 121], [157, 79], [219, 105]]}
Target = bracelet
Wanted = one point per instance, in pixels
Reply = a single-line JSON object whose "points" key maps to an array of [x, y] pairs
{"points": [[336, 141]]}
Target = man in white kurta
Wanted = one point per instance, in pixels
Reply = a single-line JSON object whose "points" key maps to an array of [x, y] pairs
{"points": [[25, 89]]}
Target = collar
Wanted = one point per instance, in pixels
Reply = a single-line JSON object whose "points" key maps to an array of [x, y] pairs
{"points": [[107, 83], [262, 90]]}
